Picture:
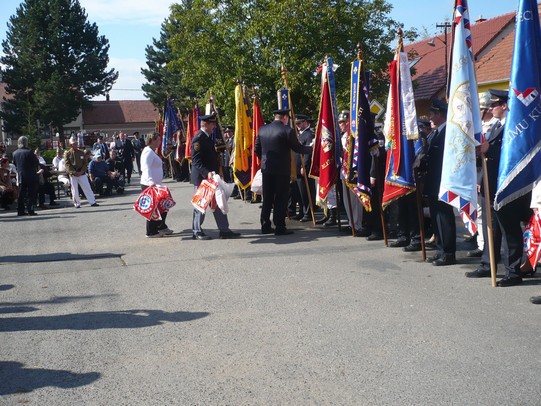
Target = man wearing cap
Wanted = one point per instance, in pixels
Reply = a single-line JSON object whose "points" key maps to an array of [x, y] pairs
{"points": [[273, 146], [302, 163], [441, 214], [100, 175], [506, 221], [76, 166], [204, 165]]}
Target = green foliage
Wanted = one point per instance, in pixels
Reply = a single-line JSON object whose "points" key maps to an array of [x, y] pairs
{"points": [[209, 45], [54, 62], [48, 155]]}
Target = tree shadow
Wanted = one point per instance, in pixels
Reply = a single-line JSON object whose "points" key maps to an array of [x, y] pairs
{"points": [[97, 320], [15, 378], [56, 257], [6, 287]]}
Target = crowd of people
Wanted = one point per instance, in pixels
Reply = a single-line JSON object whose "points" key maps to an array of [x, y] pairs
{"points": [[280, 148]]}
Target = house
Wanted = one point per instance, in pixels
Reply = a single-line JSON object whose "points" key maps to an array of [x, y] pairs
{"points": [[493, 42]]}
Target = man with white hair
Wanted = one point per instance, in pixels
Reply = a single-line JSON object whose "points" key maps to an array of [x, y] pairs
{"points": [[76, 166]]}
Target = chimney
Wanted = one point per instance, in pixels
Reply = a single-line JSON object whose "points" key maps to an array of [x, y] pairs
{"points": [[107, 97]]}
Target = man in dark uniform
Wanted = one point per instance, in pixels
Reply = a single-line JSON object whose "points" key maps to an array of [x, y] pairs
{"points": [[204, 165], [302, 163], [27, 177], [441, 213], [273, 146], [138, 145], [127, 153], [509, 216]]}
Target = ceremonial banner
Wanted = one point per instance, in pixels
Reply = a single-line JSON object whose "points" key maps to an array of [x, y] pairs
{"points": [[400, 130], [520, 157], [256, 125], [193, 128], [243, 138], [284, 102], [463, 131], [324, 159], [171, 124], [357, 159]]}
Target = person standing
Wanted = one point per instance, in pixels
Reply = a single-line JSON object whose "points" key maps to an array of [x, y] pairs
{"points": [[441, 213], [152, 175], [273, 146], [76, 166], [28, 171], [204, 165], [128, 155], [302, 163], [101, 146], [138, 146]]}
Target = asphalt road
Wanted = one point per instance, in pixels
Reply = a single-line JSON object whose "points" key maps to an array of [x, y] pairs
{"points": [[93, 313]]}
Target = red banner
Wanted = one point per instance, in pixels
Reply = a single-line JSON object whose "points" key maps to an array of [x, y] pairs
{"points": [[258, 122]]}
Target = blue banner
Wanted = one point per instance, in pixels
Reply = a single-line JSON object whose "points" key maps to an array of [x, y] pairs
{"points": [[520, 164]]}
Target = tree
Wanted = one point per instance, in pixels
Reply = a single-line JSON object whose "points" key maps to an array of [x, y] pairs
{"points": [[55, 61], [214, 44], [162, 77]]}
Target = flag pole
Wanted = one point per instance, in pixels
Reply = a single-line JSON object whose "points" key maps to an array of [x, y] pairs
{"points": [[304, 175], [488, 218], [380, 180]]}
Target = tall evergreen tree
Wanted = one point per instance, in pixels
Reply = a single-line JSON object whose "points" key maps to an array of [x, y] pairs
{"points": [[55, 61]]}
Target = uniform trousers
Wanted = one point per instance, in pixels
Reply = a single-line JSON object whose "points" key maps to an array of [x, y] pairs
{"points": [[509, 217], [443, 225], [83, 182], [275, 197], [198, 218], [305, 198]]}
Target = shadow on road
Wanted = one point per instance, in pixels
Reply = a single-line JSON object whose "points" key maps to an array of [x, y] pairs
{"points": [[97, 320], [15, 378], [56, 257]]}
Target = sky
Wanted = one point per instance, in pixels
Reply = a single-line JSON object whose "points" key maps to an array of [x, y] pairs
{"points": [[130, 25]]}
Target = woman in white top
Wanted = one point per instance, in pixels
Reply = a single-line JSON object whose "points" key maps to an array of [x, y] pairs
{"points": [[152, 174]]}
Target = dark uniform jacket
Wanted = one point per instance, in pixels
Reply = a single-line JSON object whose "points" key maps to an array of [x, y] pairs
{"points": [[306, 137], [434, 161], [494, 138], [27, 166], [204, 158], [126, 150], [274, 144]]}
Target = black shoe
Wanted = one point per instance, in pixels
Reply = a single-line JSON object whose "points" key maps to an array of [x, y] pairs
{"points": [[94, 205], [535, 299], [256, 200], [53, 204], [478, 273], [345, 230], [32, 213], [22, 214], [42, 206], [430, 244], [374, 237], [298, 217], [399, 243], [476, 253], [433, 258], [363, 232], [229, 235], [267, 230], [331, 222], [507, 281], [322, 220], [283, 231], [412, 247], [200, 236], [445, 260], [305, 219]]}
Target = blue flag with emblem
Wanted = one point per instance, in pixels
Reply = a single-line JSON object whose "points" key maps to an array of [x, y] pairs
{"points": [[520, 159], [171, 124], [459, 174]]}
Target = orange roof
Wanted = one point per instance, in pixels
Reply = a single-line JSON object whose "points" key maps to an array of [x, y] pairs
{"points": [[429, 73], [3, 93], [122, 111]]}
